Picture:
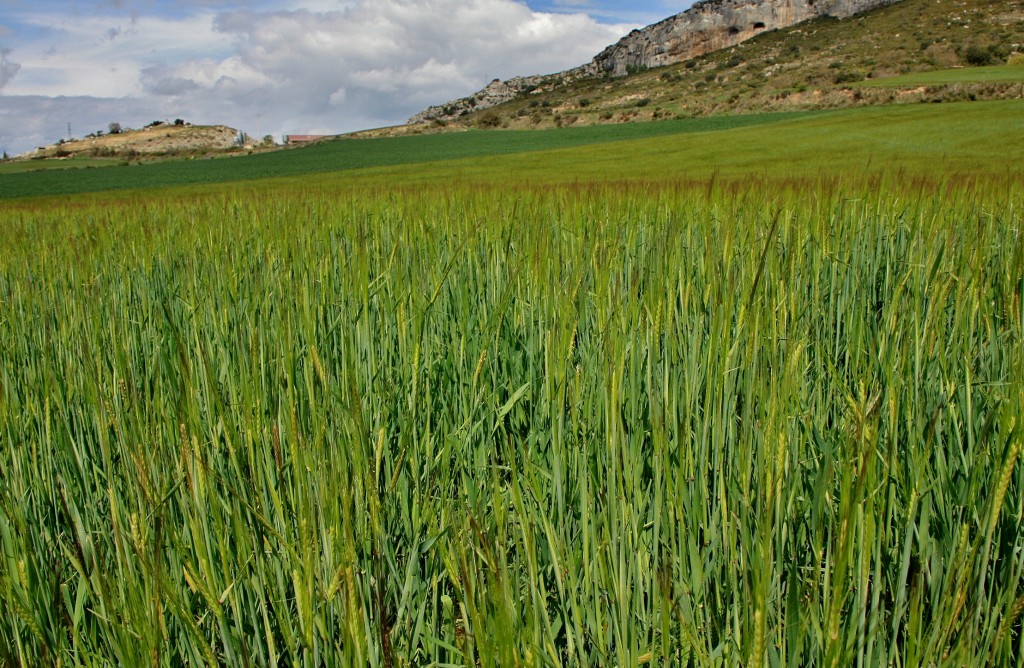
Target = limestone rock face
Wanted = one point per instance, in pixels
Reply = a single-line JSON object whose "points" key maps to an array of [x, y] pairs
{"points": [[707, 26], [495, 93], [712, 25]]}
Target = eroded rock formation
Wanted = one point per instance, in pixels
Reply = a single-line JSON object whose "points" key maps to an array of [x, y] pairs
{"points": [[712, 25]]}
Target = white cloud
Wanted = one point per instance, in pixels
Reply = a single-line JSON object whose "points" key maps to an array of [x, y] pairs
{"points": [[408, 53], [8, 70], [104, 56], [330, 65]]}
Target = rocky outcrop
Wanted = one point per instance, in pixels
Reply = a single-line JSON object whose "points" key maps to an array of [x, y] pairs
{"points": [[162, 139], [705, 27], [498, 92], [712, 25], [495, 93]]}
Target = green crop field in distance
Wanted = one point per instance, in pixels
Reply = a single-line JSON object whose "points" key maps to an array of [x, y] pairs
{"points": [[915, 141], [1013, 73], [908, 143], [351, 154], [22, 166]]}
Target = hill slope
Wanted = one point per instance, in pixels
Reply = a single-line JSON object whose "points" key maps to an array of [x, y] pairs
{"points": [[707, 26], [713, 25], [163, 139], [812, 65]]}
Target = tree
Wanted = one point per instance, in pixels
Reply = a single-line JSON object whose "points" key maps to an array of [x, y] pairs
{"points": [[978, 56], [992, 54], [115, 128], [6, 157], [269, 140]]}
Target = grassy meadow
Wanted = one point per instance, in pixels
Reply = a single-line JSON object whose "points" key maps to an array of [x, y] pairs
{"points": [[767, 413]]}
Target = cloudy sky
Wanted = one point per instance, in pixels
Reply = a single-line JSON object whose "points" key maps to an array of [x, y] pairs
{"points": [[276, 66]]}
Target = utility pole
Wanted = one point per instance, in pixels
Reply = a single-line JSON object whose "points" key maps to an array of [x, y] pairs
{"points": [[259, 137], [69, 131]]}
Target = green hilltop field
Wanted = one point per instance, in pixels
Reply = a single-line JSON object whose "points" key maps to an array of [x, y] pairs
{"points": [[738, 390]]}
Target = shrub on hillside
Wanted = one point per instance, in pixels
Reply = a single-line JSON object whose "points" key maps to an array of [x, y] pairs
{"points": [[490, 120], [978, 55], [848, 77]]}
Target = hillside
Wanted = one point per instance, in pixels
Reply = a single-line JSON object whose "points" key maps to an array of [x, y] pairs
{"points": [[818, 64], [705, 27], [156, 140], [713, 25]]}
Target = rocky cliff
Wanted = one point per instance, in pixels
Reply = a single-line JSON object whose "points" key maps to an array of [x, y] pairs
{"points": [[705, 27], [712, 25]]}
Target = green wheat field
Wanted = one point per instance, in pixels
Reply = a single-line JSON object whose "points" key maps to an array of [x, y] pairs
{"points": [[754, 419]]}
